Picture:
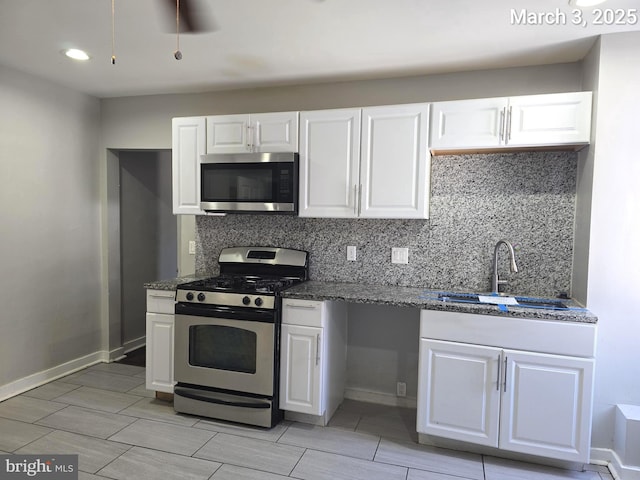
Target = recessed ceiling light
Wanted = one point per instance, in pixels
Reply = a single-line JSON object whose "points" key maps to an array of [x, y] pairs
{"points": [[585, 3], [76, 54]]}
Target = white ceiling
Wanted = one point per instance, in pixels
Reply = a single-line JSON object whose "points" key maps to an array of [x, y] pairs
{"points": [[280, 42]]}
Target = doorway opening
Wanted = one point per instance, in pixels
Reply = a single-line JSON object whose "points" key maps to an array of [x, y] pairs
{"points": [[142, 237]]}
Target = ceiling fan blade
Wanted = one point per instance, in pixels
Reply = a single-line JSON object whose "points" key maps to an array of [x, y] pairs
{"points": [[194, 17]]}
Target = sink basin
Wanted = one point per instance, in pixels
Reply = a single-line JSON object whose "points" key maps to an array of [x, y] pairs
{"points": [[524, 302]]}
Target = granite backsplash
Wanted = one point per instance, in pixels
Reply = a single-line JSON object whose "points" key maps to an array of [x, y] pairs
{"points": [[476, 200]]}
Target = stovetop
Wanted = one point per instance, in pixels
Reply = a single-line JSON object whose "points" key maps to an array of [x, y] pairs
{"points": [[243, 291], [242, 284], [250, 277]]}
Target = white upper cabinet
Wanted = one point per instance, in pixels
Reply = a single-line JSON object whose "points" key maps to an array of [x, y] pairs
{"points": [[395, 163], [511, 122], [258, 132], [555, 119], [369, 163], [466, 123], [329, 162], [188, 143]]}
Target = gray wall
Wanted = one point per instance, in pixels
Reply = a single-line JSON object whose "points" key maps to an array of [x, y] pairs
{"points": [[614, 257], [49, 209], [145, 121]]}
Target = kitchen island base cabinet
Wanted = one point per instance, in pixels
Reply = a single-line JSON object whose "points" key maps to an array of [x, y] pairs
{"points": [[312, 359], [531, 402], [159, 348]]}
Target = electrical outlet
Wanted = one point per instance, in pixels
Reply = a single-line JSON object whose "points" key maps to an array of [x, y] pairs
{"points": [[401, 389], [351, 253], [192, 247], [399, 255]]}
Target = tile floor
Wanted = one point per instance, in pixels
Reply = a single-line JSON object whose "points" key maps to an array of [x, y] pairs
{"points": [[120, 431]]}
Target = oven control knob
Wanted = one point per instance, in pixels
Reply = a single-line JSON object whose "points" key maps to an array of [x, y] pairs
{"points": [[190, 296], [258, 302], [246, 300], [201, 297]]}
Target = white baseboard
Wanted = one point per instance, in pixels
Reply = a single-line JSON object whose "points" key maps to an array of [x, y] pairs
{"points": [[605, 456], [380, 397], [134, 344], [37, 379]]}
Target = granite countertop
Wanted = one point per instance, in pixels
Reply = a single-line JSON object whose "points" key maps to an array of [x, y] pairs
{"points": [[414, 297], [172, 283], [425, 299]]}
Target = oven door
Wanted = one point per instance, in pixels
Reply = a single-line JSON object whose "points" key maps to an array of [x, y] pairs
{"points": [[264, 183], [223, 353]]}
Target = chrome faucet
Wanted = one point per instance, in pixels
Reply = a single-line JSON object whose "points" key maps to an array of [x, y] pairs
{"points": [[495, 280]]}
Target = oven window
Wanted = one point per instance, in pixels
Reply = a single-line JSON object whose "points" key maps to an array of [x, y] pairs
{"points": [[223, 348]]}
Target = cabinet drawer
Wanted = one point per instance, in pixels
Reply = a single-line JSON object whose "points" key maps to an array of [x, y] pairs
{"points": [[308, 313], [544, 336], [161, 301]]}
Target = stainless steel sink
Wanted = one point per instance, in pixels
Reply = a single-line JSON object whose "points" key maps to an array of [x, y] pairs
{"points": [[524, 302]]}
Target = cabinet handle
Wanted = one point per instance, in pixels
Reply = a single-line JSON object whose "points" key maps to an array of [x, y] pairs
{"points": [[505, 373], [163, 295], [360, 199], [502, 112], [498, 378], [355, 199], [509, 118], [300, 305], [317, 349], [250, 142]]}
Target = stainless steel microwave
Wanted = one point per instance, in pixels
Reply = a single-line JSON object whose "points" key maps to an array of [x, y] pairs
{"points": [[249, 183]]}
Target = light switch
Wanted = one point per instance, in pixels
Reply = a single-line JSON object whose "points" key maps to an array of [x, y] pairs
{"points": [[351, 253], [399, 255], [192, 247]]}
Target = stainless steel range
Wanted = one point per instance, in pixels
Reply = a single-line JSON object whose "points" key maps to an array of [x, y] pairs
{"points": [[227, 335]]}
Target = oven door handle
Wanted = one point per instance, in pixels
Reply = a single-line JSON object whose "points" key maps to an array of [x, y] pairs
{"points": [[220, 398]]}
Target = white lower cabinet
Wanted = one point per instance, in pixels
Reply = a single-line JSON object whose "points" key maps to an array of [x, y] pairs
{"points": [[302, 369], [546, 405], [160, 333], [529, 402], [460, 398], [312, 359]]}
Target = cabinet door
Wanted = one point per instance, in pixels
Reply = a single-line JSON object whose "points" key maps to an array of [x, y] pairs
{"points": [[228, 134], [159, 352], [329, 163], [556, 119], [395, 163], [301, 369], [188, 143], [467, 124], [274, 132], [546, 405], [459, 391]]}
